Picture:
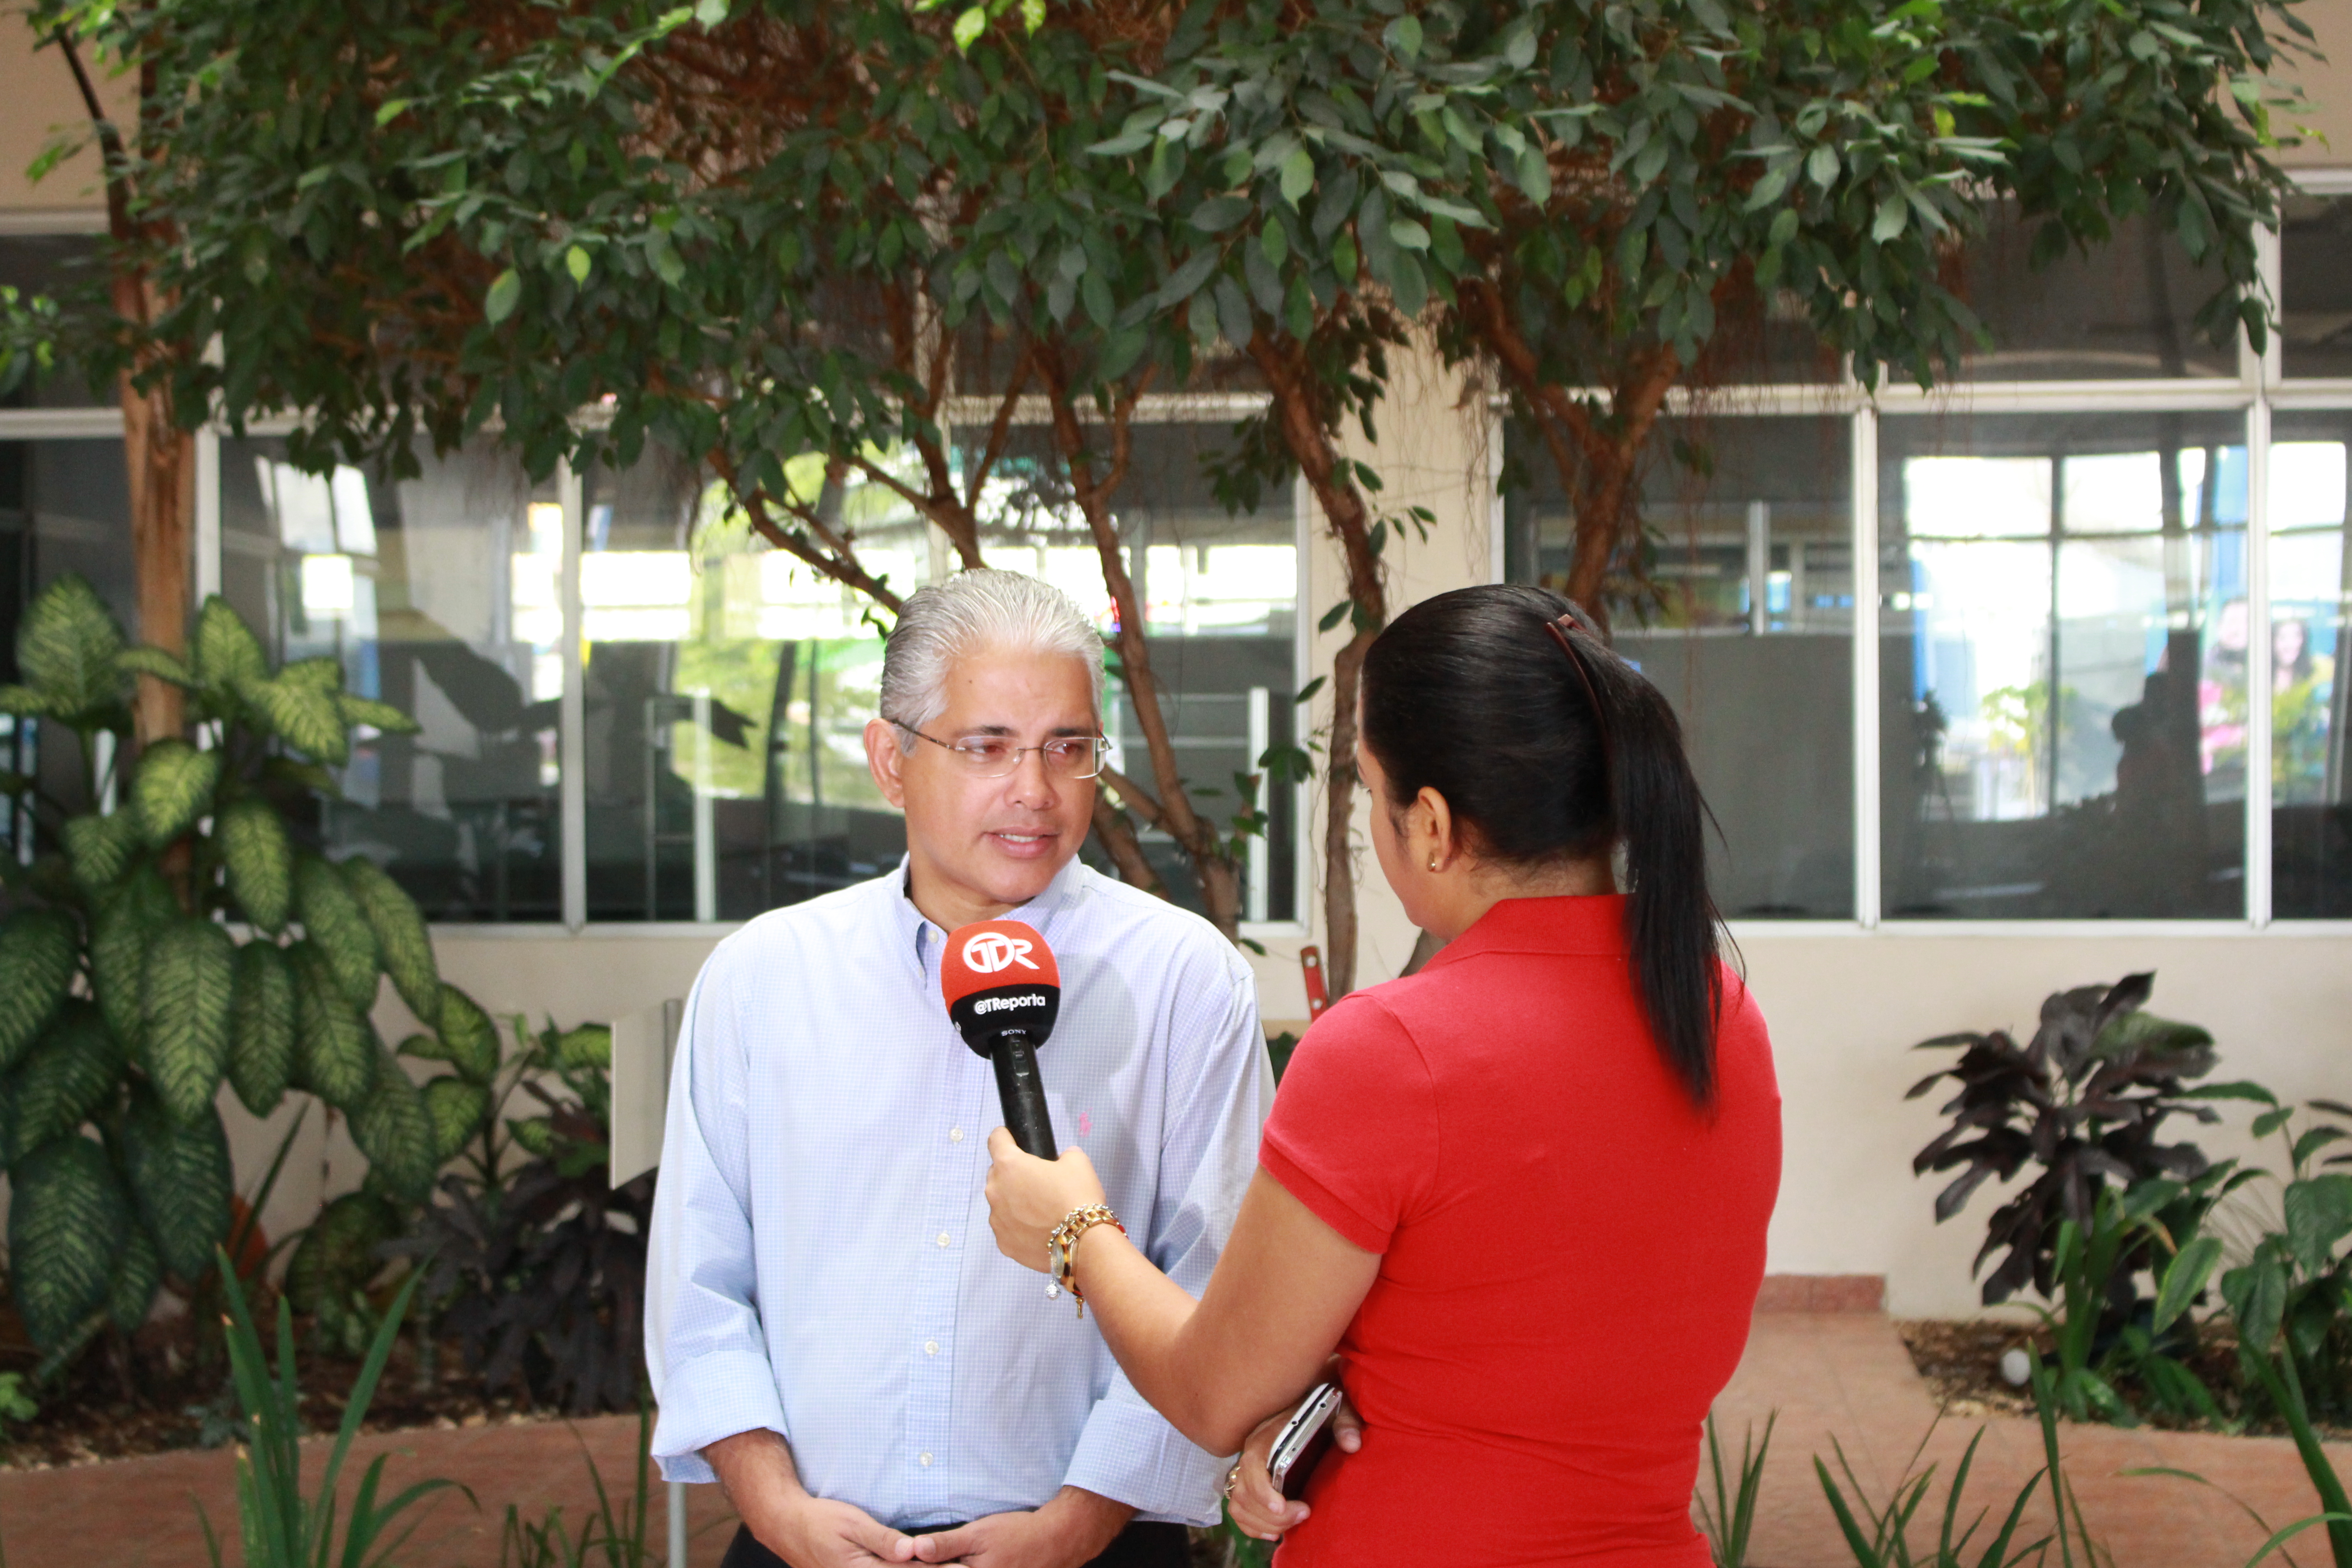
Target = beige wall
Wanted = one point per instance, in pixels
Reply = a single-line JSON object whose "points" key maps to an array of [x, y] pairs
{"points": [[37, 98], [2328, 81]]}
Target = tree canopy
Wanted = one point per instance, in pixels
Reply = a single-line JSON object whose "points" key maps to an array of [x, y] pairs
{"points": [[766, 230]]}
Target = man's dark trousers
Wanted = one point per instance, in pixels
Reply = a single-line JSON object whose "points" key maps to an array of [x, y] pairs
{"points": [[1144, 1544]]}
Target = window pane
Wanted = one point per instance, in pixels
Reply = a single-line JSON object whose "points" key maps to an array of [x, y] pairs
{"points": [[439, 595], [727, 689], [2126, 310], [2100, 557], [2311, 593], [1218, 594], [49, 264], [1749, 638], [64, 507], [2316, 286]]}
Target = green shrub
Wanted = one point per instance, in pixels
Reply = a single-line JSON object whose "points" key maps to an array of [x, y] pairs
{"points": [[187, 939]]}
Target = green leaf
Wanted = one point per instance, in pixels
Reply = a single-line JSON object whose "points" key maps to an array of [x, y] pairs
{"points": [[303, 714], [577, 263], [535, 1133], [391, 110], [457, 1110], [1893, 212], [1821, 166], [2319, 1213], [2184, 1277], [183, 1036], [138, 1276], [259, 860], [173, 788], [228, 656], [335, 1057], [67, 647], [1298, 175], [589, 1046], [1404, 36], [27, 704], [337, 1255], [506, 293], [2256, 1292], [1531, 171], [180, 1177], [1219, 214], [66, 1078], [100, 847], [969, 25], [1334, 616], [1407, 235], [139, 908], [381, 716], [392, 1128], [401, 939], [66, 1214], [261, 1041], [467, 1040], [332, 918], [154, 661], [37, 949]]}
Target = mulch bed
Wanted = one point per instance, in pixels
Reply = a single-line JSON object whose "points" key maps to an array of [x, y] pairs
{"points": [[163, 1392], [1960, 1362]]}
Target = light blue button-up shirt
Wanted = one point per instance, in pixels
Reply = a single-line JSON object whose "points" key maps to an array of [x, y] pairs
{"points": [[821, 1263]]}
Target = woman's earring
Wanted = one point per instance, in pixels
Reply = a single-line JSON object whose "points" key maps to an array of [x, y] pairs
{"points": [[1432, 862]]}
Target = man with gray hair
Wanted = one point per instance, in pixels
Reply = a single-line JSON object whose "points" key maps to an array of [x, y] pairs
{"points": [[830, 1329]]}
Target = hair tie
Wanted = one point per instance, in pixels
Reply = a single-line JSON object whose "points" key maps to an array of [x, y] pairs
{"points": [[1591, 693]]}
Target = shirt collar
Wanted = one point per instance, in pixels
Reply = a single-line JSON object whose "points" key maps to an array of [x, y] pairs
{"points": [[1593, 924], [917, 936]]}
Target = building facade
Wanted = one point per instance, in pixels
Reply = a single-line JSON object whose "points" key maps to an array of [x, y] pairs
{"points": [[2026, 683]]}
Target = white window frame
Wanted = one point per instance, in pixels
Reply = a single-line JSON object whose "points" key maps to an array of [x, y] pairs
{"points": [[1173, 408], [2257, 390]]}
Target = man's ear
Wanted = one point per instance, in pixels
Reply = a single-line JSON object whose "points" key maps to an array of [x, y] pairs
{"points": [[884, 759]]}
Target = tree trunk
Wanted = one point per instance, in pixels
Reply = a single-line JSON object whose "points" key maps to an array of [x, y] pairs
{"points": [[1213, 862], [160, 459], [1308, 439]]}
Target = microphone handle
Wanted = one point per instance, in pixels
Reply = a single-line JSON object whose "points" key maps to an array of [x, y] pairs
{"points": [[1021, 1093]]}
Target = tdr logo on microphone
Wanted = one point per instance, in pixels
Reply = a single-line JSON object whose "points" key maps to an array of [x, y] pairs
{"points": [[992, 950]]}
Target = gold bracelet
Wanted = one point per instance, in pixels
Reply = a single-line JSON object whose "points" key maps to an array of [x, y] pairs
{"points": [[1061, 1249]]}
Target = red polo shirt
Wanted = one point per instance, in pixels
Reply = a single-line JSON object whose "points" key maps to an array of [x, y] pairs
{"points": [[1571, 1248]]}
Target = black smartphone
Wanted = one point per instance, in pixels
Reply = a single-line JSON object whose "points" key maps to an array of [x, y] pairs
{"points": [[1303, 1440]]}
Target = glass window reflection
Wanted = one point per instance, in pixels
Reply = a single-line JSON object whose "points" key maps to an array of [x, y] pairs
{"points": [[2063, 666], [438, 595], [2311, 593], [1748, 633]]}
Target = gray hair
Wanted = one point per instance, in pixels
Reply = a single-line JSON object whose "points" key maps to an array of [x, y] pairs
{"points": [[975, 611]]}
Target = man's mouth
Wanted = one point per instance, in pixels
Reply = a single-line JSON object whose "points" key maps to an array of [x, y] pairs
{"points": [[1023, 841]]}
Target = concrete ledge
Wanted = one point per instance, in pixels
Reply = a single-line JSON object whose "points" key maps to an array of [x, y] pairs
{"points": [[1823, 1293]]}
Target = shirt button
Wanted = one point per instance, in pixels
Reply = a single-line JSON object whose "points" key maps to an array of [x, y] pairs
{"points": [[944, 1238], [926, 1460], [930, 1347], [955, 1134]]}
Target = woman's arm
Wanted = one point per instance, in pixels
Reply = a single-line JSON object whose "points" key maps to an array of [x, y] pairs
{"points": [[1282, 1293]]}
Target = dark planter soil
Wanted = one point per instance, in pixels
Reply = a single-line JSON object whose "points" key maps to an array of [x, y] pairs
{"points": [[167, 1390], [1960, 1362]]}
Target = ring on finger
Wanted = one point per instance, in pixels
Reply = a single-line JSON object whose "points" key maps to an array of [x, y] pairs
{"points": [[1231, 1476]]}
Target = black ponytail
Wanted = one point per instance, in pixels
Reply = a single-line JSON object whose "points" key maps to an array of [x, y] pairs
{"points": [[1549, 748]]}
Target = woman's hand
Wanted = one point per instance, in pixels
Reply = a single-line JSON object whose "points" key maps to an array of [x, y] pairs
{"points": [[1027, 1197], [1257, 1505]]}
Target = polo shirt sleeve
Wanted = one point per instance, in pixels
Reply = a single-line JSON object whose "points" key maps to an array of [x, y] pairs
{"points": [[1354, 1132]]}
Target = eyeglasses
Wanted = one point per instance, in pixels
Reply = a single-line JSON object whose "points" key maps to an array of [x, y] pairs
{"points": [[996, 757]]}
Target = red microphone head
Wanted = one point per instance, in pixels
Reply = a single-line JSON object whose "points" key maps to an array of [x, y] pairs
{"points": [[999, 977]]}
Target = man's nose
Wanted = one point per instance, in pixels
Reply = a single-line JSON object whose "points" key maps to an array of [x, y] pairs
{"points": [[1031, 784]]}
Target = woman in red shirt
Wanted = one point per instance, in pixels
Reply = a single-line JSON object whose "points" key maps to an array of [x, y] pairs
{"points": [[1522, 1194]]}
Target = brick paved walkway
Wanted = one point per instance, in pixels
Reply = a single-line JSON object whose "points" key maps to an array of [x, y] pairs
{"points": [[1828, 1374]]}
